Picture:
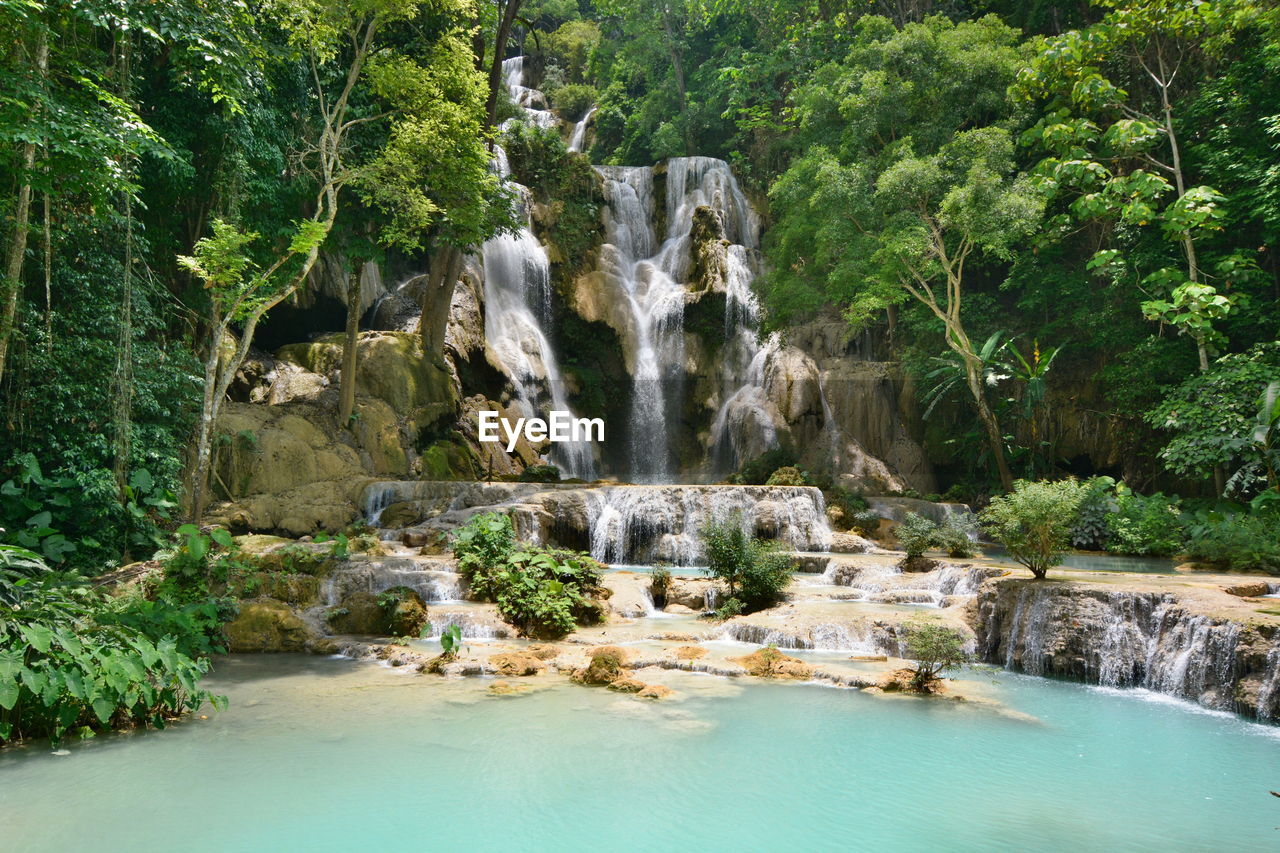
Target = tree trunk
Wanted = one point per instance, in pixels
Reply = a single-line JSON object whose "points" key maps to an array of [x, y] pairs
{"points": [[973, 375], [12, 284], [495, 65], [204, 433], [347, 398], [677, 68], [442, 277]]}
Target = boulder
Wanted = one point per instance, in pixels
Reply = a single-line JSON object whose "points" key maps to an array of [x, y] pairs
{"points": [[771, 663], [607, 665], [655, 691], [267, 626], [849, 543], [626, 685], [359, 613], [1253, 589], [514, 664]]}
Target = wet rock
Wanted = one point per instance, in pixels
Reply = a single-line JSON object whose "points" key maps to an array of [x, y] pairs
{"points": [[1249, 590], [771, 663], [514, 664], [655, 691], [267, 626], [607, 666], [849, 543], [689, 652], [626, 685]]}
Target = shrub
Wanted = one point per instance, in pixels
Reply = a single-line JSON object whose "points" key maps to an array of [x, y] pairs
{"points": [[916, 534], [659, 584], [755, 572], [1144, 524], [1097, 505], [934, 648], [1034, 521], [757, 471], [1236, 541], [953, 537], [787, 476], [573, 100], [62, 669], [541, 592], [540, 474], [483, 546], [866, 522]]}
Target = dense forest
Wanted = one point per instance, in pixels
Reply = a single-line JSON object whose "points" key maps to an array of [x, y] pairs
{"points": [[1059, 218]]}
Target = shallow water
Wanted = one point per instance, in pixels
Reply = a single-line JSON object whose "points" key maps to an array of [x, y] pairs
{"points": [[1092, 561], [332, 755]]}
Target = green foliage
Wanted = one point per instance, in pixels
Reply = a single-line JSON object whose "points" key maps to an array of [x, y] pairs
{"points": [[1034, 521], [573, 100], [540, 474], [64, 669], [757, 471], [935, 648], [1099, 502], [916, 534], [788, 476], [729, 608], [1236, 540], [1211, 417], [566, 183], [756, 572], [953, 537], [659, 584], [1144, 524], [451, 640], [483, 547], [541, 591]]}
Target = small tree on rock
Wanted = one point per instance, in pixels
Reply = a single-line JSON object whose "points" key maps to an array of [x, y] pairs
{"points": [[934, 648], [1034, 521]]}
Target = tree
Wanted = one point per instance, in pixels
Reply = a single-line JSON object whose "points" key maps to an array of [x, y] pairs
{"points": [[1115, 151], [907, 184], [322, 32], [934, 648], [1212, 418], [755, 572], [1034, 522]]}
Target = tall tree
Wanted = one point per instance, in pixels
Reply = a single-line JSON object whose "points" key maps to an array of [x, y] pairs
{"points": [[905, 185]]}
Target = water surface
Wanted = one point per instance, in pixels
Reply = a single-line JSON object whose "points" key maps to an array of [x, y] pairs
{"points": [[332, 755]]}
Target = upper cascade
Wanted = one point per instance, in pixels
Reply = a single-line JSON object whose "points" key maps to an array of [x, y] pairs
{"points": [[517, 295]]}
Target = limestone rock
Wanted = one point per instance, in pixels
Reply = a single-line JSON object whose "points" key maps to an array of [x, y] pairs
{"points": [[267, 626], [1249, 590], [771, 663], [512, 664], [606, 666], [626, 685], [655, 691]]}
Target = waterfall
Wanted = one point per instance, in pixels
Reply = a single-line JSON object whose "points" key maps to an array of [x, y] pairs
{"points": [[636, 524], [1120, 638], [432, 580], [517, 293], [654, 276], [579, 135]]}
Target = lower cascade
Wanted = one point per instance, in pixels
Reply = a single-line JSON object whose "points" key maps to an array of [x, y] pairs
{"points": [[1120, 638]]}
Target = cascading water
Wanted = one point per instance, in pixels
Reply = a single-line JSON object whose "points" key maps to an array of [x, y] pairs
{"points": [[517, 292], [1119, 638], [633, 524], [579, 136], [654, 277], [656, 307]]}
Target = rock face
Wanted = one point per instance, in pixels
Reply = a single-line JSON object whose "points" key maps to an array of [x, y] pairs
{"points": [[268, 626], [1127, 638]]}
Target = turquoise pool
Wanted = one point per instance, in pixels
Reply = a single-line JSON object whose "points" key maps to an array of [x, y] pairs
{"points": [[332, 755]]}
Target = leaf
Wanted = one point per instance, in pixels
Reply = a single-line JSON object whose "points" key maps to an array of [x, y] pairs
{"points": [[222, 537], [8, 694], [38, 636], [103, 708]]}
